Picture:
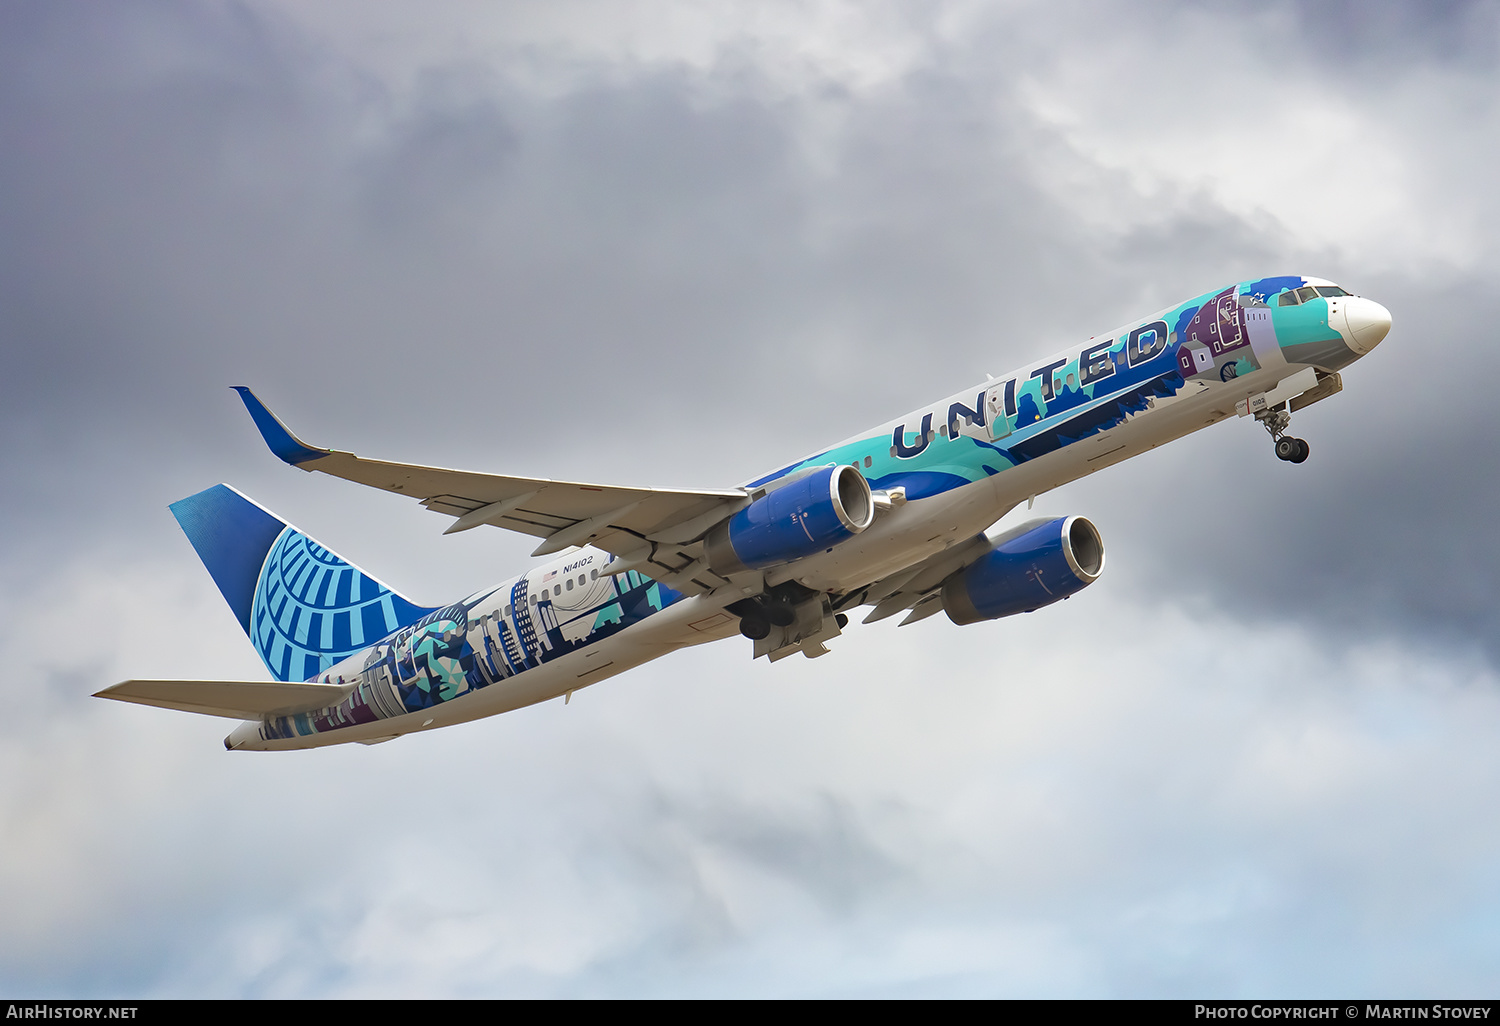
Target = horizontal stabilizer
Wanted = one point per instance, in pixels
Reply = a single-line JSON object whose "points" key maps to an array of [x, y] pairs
{"points": [[237, 699]]}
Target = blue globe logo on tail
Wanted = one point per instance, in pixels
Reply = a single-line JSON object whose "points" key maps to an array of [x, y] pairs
{"points": [[303, 606], [313, 609]]}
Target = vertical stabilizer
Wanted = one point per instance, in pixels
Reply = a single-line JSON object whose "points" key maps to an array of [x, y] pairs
{"points": [[303, 607]]}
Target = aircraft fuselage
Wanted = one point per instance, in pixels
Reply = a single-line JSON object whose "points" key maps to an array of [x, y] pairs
{"points": [[961, 463]]}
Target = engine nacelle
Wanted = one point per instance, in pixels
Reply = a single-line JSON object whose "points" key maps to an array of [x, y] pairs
{"points": [[808, 515], [1035, 565]]}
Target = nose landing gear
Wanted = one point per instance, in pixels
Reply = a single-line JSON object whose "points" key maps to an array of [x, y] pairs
{"points": [[1276, 421]]}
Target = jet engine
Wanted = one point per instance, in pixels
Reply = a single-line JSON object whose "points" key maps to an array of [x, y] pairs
{"points": [[806, 515], [1035, 565]]}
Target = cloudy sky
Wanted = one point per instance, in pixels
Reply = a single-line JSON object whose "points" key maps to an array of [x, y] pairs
{"points": [[682, 244]]}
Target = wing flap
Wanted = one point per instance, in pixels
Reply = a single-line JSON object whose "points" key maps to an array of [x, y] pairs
{"points": [[236, 699]]}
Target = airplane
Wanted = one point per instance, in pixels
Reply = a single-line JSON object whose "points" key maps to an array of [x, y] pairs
{"points": [[901, 518]]}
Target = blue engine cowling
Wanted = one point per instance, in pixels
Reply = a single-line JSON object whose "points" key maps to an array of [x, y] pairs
{"points": [[1035, 565], [812, 513]]}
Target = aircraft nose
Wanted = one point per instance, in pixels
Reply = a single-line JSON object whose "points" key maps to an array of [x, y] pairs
{"points": [[1368, 323]]}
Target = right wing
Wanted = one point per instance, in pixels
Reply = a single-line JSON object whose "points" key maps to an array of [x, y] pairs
{"points": [[655, 530]]}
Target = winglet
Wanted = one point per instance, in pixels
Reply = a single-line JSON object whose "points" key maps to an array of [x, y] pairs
{"points": [[282, 442]]}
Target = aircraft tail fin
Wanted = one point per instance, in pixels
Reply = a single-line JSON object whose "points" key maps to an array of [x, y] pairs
{"points": [[303, 606]]}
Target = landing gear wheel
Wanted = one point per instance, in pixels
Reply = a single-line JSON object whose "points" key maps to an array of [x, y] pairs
{"points": [[1276, 421], [1293, 450], [754, 629]]}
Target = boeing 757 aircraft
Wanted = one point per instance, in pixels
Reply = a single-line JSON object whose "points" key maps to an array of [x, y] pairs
{"points": [[894, 517]]}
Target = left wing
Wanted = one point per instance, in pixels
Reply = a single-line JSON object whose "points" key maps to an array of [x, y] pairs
{"points": [[653, 530]]}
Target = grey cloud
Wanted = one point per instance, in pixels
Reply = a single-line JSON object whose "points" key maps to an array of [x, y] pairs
{"points": [[647, 235], [826, 851], [1345, 37], [660, 240], [199, 196], [632, 235], [1377, 35]]}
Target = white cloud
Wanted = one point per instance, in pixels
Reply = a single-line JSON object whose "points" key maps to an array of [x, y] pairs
{"points": [[1026, 807], [1249, 113], [794, 44]]}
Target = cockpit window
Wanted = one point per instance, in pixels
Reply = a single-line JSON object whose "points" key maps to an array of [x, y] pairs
{"points": [[1330, 291], [1298, 296]]}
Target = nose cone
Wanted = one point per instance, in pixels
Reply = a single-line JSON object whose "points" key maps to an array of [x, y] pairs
{"points": [[1368, 323]]}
